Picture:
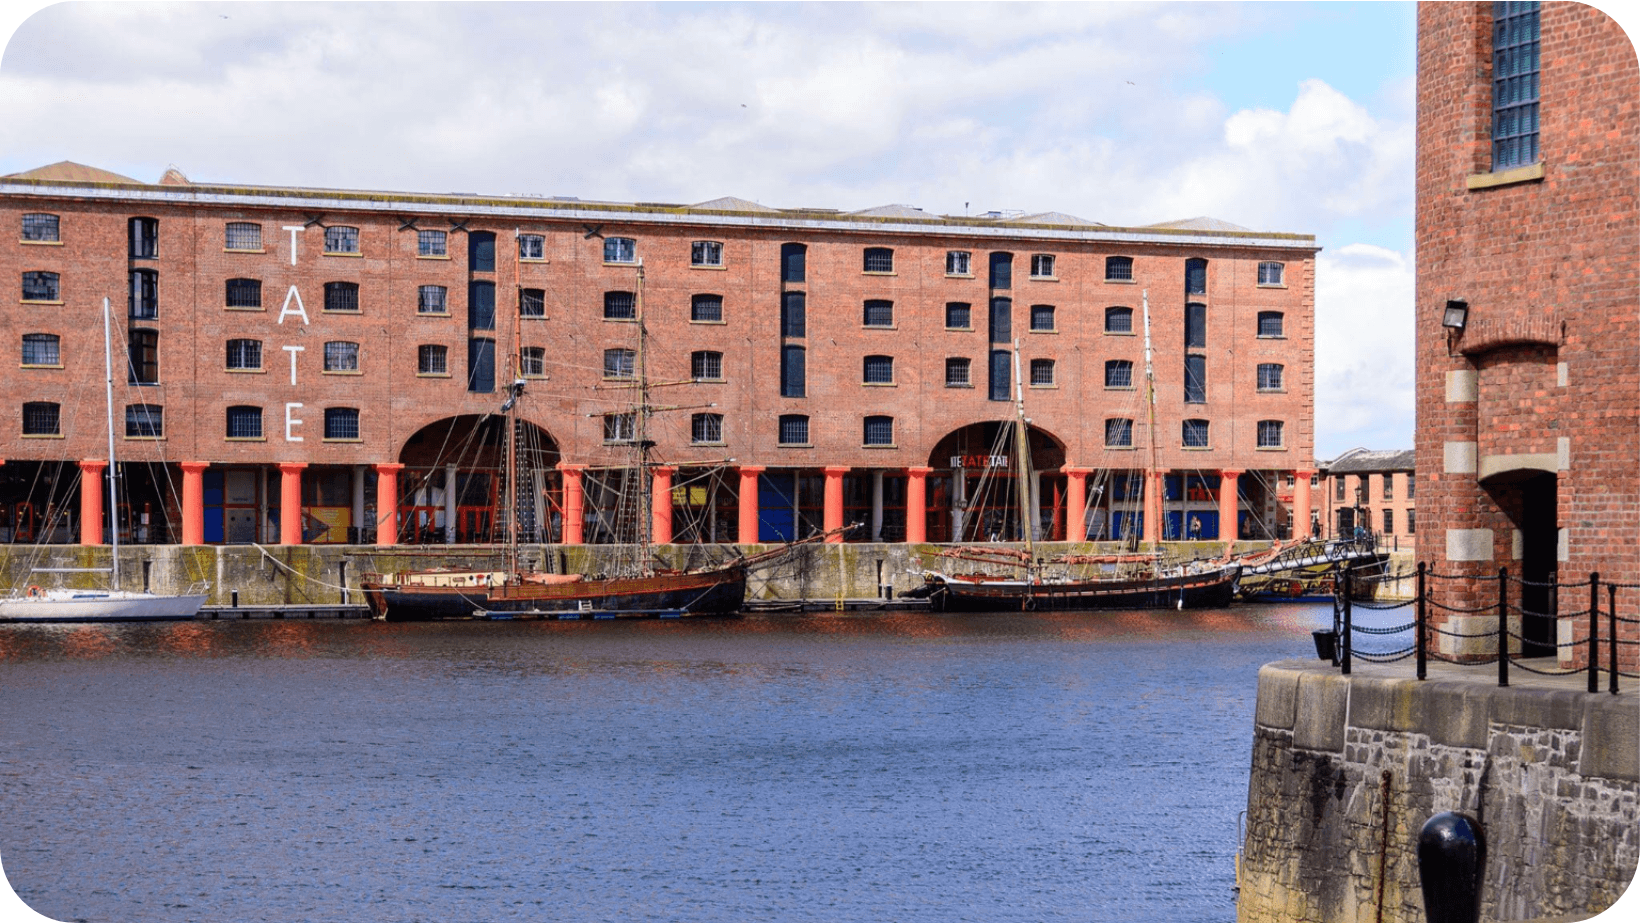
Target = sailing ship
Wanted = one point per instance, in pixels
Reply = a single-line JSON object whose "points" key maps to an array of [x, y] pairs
{"points": [[1138, 580], [36, 604], [630, 584]]}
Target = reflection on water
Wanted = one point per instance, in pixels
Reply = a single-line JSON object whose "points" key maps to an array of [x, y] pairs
{"points": [[840, 767]]}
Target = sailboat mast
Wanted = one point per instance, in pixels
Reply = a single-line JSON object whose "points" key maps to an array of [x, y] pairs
{"points": [[1150, 418], [1023, 473], [641, 425], [113, 495]]}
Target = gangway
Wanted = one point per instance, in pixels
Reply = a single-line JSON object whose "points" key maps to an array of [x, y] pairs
{"points": [[1316, 552]]}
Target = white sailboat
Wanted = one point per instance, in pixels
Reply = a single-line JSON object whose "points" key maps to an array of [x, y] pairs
{"points": [[33, 603]]}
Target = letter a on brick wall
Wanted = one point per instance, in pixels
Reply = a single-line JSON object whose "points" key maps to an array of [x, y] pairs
{"points": [[301, 312]]}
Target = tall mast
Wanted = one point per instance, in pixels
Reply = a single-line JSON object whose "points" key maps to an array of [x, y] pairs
{"points": [[1150, 419], [113, 489], [641, 425], [1023, 473]]}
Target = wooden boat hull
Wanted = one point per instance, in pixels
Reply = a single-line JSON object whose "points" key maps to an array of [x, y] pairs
{"points": [[711, 593], [1193, 591], [99, 606]]}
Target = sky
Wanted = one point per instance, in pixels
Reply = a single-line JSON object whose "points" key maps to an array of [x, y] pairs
{"points": [[1291, 117]]}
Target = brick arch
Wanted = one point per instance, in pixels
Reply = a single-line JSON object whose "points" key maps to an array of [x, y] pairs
{"points": [[1047, 449]]}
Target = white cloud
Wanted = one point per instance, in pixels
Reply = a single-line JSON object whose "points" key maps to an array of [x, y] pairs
{"points": [[1364, 390]]}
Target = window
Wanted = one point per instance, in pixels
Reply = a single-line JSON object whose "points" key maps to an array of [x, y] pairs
{"points": [[1269, 324], [708, 309], [244, 422], [432, 300], [143, 367], [243, 293], [1338, 487], [1118, 431], [1195, 379], [957, 373], [341, 296], [1269, 434], [42, 418], [1042, 318], [1412, 482], [878, 370], [1389, 486], [1515, 37], [706, 428], [245, 355], [480, 365], [706, 253], [341, 356], [1002, 271], [1195, 276], [341, 239], [532, 247], [957, 263], [1389, 521], [430, 244], [144, 421], [620, 428], [1195, 326], [242, 235], [793, 314], [879, 431], [144, 301], [706, 366], [1041, 266], [1195, 434], [144, 233], [792, 260], [532, 361], [1269, 376], [879, 260], [794, 430], [42, 350], [532, 303], [1002, 320], [1042, 372], [481, 251], [432, 359], [620, 306], [1118, 373], [1269, 274], [39, 226], [1000, 381], [959, 316], [1412, 521], [1119, 269], [480, 305], [793, 372], [341, 423], [1118, 320], [619, 363], [620, 250], [879, 313]]}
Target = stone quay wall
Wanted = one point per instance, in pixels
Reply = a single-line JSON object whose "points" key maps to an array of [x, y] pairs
{"points": [[1346, 770]]}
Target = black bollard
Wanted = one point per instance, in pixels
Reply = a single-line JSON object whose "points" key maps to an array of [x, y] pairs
{"points": [[1451, 864]]}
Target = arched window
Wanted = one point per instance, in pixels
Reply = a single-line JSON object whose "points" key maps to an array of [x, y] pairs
{"points": [[706, 428], [1118, 373], [42, 350], [879, 260], [1118, 320], [1119, 269], [1118, 432], [879, 431], [878, 370], [244, 422], [1270, 324], [1195, 434], [243, 293]]}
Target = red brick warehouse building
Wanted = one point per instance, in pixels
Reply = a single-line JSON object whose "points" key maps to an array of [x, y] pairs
{"points": [[1529, 301], [326, 348]]}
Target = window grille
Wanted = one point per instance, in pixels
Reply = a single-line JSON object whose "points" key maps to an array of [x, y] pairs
{"points": [[341, 356], [958, 263], [959, 316], [244, 293], [1042, 372], [619, 363], [341, 239], [1119, 269], [706, 308], [1269, 376], [432, 359], [879, 260], [1118, 373], [1270, 274], [620, 306], [1042, 318], [430, 244], [1515, 70], [1118, 320], [620, 428], [1042, 265], [244, 423], [432, 300], [706, 366], [532, 361], [620, 250], [957, 373], [532, 247], [878, 370], [244, 354], [1269, 434], [706, 428], [532, 303], [879, 431], [42, 350], [794, 430], [341, 296], [879, 313], [1269, 324], [144, 420], [341, 423], [706, 253], [39, 226], [1118, 431], [42, 418], [1195, 434]]}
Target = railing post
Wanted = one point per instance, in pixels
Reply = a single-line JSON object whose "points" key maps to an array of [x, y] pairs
{"points": [[1423, 624], [1611, 646], [1503, 627], [1594, 632], [1344, 655]]}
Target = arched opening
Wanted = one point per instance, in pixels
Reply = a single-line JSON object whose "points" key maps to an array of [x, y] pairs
{"points": [[974, 490], [1529, 498], [459, 473]]}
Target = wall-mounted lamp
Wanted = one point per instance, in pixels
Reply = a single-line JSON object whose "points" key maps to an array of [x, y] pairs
{"points": [[1457, 314]]}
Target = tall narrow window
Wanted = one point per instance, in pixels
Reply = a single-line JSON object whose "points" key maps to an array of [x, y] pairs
{"points": [[481, 251], [1270, 324], [144, 421], [877, 370], [1389, 521], [42, 350], [244, 293], [532, 247], [706, 428], [1195, 326], [879, 313], [244, 422], [1269, 376], [1195, 379], [431, 244], [1118, 431], [620, 306], [793, 258], [1002, 271], [958, 316], [532, 303], [706, 309], [1000, 381], [42, 418], [620, 250], [879, 260], [793, 314], [341, 239], [1119, 269], [480, 365], [242, 235], [1514, 84], [39, 286], [432, 300], [1195, 276], [244, 355], [1002, 320], [40, 227], [706, 253], [794, 429], [144, 234], [144, 352], [619, 363], [480, 305], [1118, 373], [793, 372], [879, 431], [341, 356], [706, 366], [957, 373], [432, 359], [342, 296], [1195, 434], [1270, 434], [144, 294], [341, 423], [1389, 485], [1118, 320]]}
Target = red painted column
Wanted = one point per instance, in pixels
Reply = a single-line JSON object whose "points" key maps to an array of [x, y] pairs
{"points": [[1153, 507], [1228, 506], [1301, 505], [387, 503], [660, 504], [1076, 503], [193, 502], [748, 503], [290, 502], [574, 503], [91, 501], [916, 503], [833, 517]]}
